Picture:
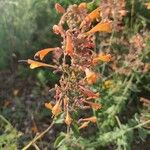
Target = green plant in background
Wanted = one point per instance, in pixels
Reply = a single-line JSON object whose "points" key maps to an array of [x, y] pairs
{"points": [[16, 28], [8, 135]]}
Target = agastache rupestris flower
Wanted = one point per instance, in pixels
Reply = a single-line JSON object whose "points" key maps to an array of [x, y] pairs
{"points": [[78, 62]]}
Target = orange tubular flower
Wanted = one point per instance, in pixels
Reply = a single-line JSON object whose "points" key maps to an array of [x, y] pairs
{"points": [[102, 57], [68, 119], [89, 93], [91, 76], [95, 106], [49, 106], [59, 8], [36, 64], [42, 53], [84, 125], [101, 27], [69, 45], [91, 119], [56, 110], [90, 17]]}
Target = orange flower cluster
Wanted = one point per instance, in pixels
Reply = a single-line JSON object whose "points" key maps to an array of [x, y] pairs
{"points": [[73, 91]]}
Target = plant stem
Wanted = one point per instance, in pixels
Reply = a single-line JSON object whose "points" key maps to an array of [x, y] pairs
{"points": [[5, 120], [38, 137], [139, 125], [132, 11]]}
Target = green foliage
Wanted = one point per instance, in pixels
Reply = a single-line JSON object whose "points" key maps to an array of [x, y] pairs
{"points": [[8, 135], [16, 28]]}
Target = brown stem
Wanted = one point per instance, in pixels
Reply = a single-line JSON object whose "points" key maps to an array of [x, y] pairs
{"points": [[38, 137]]}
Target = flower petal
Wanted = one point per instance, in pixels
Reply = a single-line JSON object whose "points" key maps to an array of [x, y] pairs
{"points": [[91, 16], [101, 27], [36, 64], [91, 119], [42, 53]]}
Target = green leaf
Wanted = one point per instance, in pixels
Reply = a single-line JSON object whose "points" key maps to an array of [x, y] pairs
{"points": [[60, 119], [142, 134], [60, 140], [75, 129]]}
